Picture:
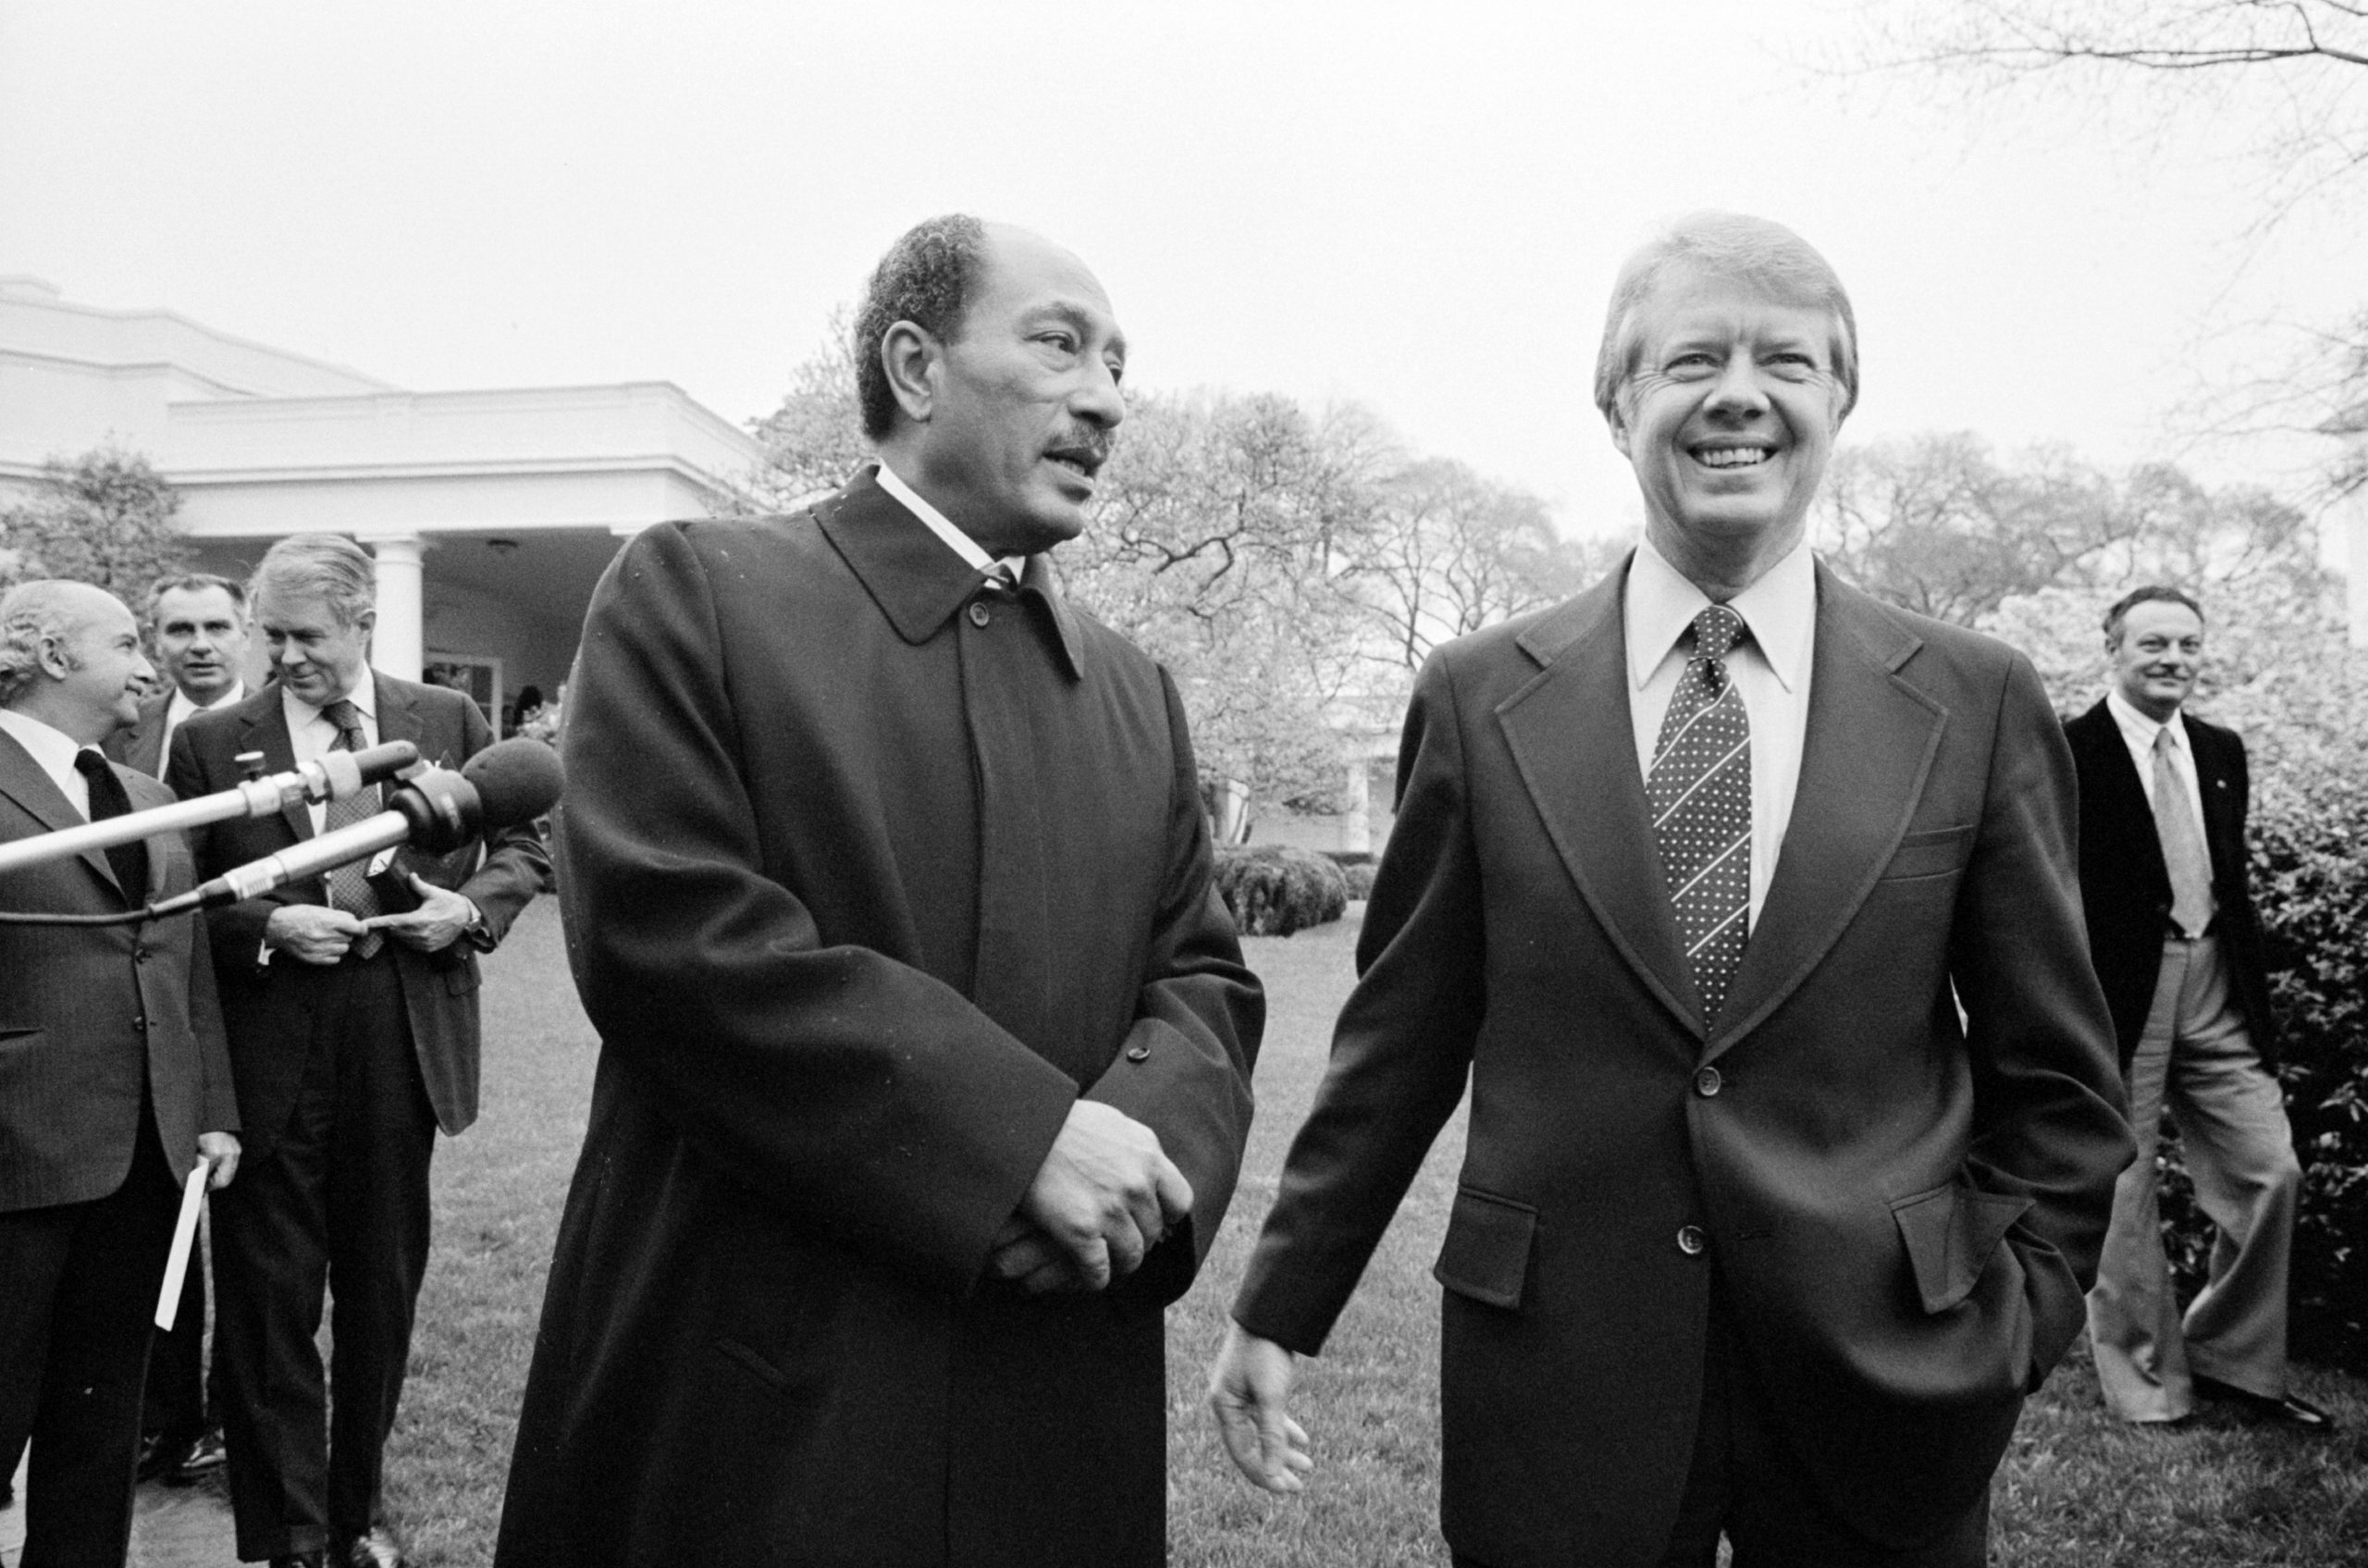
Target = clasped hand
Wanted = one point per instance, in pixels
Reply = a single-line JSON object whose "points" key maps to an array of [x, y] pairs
{"points": [[1103, 1199], [318, 934]]}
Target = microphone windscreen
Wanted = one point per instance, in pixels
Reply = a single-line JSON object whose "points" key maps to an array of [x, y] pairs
{"points": [[517, 781]]}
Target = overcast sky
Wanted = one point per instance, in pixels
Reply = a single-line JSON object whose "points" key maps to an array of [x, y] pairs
{"points": [[1416, 206]]}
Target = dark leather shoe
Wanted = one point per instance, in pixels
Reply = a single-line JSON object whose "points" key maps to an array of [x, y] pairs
{"points": [[2289, 1410], [376, 1548], [298, 1560], [203, 1455]]}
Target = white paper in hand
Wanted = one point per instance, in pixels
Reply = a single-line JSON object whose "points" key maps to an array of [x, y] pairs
{"points": [[168, 1301]]}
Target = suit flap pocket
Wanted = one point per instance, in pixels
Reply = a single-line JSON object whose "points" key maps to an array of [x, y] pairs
{"points": [[1485, 1255], [1950, 1233], [1929, 853]]}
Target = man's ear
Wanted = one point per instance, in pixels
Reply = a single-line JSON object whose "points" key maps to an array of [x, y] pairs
{"points": [[55, 661], [910, 355], [1617, 416]]}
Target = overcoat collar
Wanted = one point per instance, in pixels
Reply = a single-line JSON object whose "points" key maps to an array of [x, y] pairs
{"points": [[918, 583], [1871, 741], [25, 782]]}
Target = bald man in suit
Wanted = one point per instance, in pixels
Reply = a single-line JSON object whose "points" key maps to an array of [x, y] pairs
{"points": [[114, 1081]]}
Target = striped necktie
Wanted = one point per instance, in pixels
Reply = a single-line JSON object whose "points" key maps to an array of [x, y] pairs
{"points": [[1699, 791], [349, 888]]}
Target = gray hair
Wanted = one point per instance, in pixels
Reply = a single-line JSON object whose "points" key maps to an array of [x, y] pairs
{"points": [[192, 582], [927, 278], [326, 566], [1753, 250], [30, 614]]}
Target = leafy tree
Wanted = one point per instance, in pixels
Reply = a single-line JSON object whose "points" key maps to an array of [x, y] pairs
{"points": [[1447, 550], [2293, 71], [105, 517], [814, 441]]}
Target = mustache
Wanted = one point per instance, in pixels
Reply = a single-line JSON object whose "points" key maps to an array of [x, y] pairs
{"points": [[1090, 444]]}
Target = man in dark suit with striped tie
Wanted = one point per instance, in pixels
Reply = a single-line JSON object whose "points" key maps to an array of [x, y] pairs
{"points": [[1757, 1235], [112, 1078], [2171, 927], [351, 1003]]}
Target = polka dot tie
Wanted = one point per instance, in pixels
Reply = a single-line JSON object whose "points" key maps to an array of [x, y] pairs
{"points": [[1699, 790]]}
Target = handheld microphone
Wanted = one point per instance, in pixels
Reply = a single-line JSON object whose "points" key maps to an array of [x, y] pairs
{"points": [[337, 775], [509, 782]]}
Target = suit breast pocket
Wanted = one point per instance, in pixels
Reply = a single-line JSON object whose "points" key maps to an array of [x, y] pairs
{"points": [[1933, 852]]}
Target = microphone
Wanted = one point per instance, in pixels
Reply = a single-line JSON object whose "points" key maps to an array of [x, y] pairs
{"points": [[336, 775], [508, 783]]}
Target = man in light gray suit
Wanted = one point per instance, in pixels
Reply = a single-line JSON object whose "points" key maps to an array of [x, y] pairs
{"points": [[114, 1081]]}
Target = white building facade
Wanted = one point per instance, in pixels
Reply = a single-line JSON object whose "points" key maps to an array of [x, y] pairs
{"points": [[491, 515]]}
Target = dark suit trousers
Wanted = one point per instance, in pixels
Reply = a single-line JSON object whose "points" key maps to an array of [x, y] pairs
{"points": [[1744, 1484], [78, 1297], [341, 1204], [176, 1403]]}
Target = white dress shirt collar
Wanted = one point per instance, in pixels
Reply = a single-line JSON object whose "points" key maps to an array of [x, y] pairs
{"points": [[54, 750], [2137, 731], [364, 696], [935, 520], [1779, 608], [180, 709]]}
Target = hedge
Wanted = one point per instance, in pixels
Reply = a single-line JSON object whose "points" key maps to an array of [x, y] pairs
{"points": [[2309, 872], [1274, 890]]}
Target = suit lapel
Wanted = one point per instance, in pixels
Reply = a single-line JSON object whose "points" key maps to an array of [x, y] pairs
{"points": [[264, 727], [1871, 742], [398, 719], [1571, 737], [22, 780]]}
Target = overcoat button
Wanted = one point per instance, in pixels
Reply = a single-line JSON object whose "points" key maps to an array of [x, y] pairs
{"points": [[1138, 1053], [1690, 1240], [1707, 1082], [979, 613]]}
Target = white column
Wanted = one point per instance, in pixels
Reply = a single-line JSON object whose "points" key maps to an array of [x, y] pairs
{"points": [[400, 646], [2351, 517], [1356, 803]]}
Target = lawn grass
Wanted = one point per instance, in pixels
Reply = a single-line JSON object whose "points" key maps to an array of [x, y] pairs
{"points": [[2078, 1491]]}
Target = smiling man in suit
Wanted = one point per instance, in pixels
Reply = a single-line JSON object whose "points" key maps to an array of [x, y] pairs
{"points": [[112, 1080], [1690, 877], [351, 1003], [2179, 948]]}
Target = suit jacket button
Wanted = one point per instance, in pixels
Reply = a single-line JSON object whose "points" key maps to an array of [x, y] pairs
{"points": [[1690, 1240], [979, 613], [1138, 1053], [1707, 1082], [141, 1023]]}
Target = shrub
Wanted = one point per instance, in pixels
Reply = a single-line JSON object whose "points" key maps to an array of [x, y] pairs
{"points": [[1359, 877], [2309, 876], [1273, 890]]}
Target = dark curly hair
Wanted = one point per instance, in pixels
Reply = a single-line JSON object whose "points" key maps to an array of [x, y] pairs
{"points": [[926, 278]]}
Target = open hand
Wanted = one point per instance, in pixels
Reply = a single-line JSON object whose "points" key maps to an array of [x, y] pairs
{"points": [[1248, 1385]]}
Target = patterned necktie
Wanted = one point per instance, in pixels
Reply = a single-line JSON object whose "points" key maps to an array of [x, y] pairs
{"points": [[349, 888], [1699, 789], [129, 861], [2183, 853]]}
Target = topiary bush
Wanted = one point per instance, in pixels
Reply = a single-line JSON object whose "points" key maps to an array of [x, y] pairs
{"points": [[1273, 890]]}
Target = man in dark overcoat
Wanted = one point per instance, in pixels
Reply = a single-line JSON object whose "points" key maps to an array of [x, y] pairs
{"points": [[1757, 1234], [2168, 900], [925, 1040]]}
